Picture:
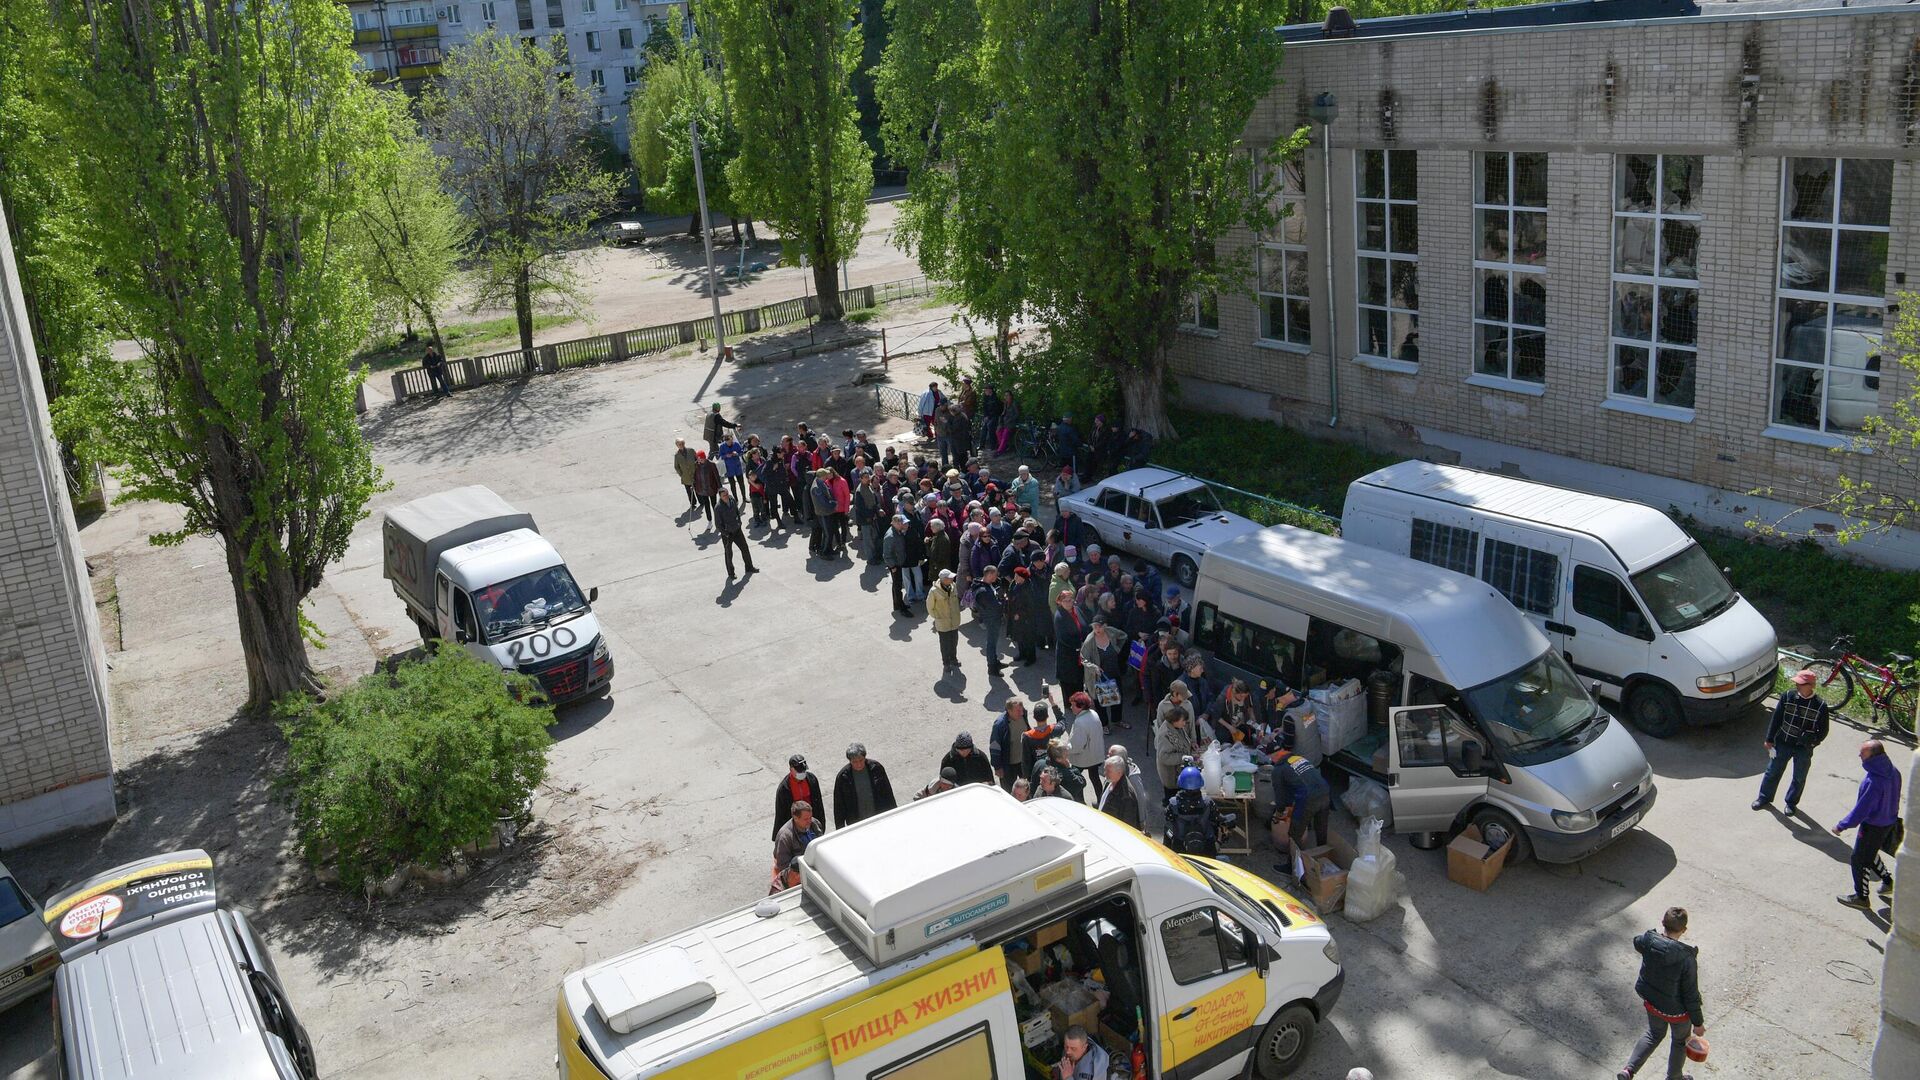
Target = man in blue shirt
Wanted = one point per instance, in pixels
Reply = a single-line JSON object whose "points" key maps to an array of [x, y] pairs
{"points": [[1084, 1060], [733, 459]]}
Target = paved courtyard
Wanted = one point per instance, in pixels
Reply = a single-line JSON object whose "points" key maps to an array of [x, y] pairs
{"points": [[657, 807]]}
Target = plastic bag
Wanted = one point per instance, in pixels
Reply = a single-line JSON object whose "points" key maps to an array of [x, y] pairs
{"points": [[1212, 767], [1367, 799], [1373, 885]]}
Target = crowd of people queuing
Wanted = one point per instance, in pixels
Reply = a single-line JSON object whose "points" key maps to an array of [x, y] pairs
{"points": [[960, 538]]}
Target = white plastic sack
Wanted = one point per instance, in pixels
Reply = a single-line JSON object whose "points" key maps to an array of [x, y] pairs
{"points": [[1212, 767], [1367, 799], [1373, 885]]}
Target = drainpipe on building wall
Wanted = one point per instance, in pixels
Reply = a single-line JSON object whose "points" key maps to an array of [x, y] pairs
{"points": [[1324, 110]]}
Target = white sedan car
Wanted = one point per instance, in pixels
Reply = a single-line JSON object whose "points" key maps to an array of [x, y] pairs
{"points": [[1165, 517], [27, 956]]}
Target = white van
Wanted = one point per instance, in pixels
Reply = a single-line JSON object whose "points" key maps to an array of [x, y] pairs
{"points": [[1469, 716], [965, 935], [1630, 600]]}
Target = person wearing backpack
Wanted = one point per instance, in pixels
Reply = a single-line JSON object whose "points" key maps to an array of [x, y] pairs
{"points": [[1669, 988]]}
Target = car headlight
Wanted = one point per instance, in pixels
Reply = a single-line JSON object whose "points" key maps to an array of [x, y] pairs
{"points": [[1333, 952], [599, 648], [1573, 821], [1715, 684]]}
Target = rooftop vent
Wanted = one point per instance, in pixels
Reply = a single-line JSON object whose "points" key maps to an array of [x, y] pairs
{"points": [[1339, 23], [646, 988]]}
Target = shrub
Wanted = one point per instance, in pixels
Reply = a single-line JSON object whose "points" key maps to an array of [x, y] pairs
{"points": [[409, 767], [1048, 380]]}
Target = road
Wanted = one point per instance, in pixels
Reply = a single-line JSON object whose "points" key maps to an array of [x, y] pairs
{"points": [[657, 808]]}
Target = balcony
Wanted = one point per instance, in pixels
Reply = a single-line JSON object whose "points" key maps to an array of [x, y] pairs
{"points": [[366, 37], [410, 33], [420, 71]]}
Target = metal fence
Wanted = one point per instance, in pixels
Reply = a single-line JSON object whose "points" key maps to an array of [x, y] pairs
{"points": [[470, 371], [893, 401]]}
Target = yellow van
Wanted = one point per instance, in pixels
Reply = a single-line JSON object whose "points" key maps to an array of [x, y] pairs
{"points": [[965, 935]]}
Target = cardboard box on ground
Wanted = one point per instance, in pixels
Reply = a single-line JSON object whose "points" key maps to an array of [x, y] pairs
{"points": [[1472, 863], [1322, 871]]}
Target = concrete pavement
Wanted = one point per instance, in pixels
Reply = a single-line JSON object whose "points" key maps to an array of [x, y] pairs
{"points": [[658, 803]]}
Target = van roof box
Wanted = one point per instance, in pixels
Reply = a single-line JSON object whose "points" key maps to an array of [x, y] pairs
{"points": [[904, 881], [650, 986]]}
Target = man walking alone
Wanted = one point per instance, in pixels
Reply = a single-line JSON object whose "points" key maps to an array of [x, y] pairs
{"points": [[1799, 724], [1669, 988], [726, 521], [1875, 809]]}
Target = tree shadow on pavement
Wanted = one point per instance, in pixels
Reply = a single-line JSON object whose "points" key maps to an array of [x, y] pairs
{"points": [[480, 421]]}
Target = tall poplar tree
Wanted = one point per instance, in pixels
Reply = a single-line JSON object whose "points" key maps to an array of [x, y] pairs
{"points": [[801, 166], [221, 147], [1093, 149]]}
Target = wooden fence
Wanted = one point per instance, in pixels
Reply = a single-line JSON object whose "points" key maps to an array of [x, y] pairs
{"points": [[470, 371]]}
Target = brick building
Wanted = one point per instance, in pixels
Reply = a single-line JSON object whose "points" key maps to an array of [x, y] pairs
{"points": [[1644, 247], [56, 770]]}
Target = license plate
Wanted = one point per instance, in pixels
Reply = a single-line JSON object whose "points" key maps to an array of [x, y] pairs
{"points": [[1624, 826], [12, 977]]}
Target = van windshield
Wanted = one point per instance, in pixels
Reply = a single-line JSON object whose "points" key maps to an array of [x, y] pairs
{"points": [[1685, 590], [527, 603], [13, 903], [1536, 714]]}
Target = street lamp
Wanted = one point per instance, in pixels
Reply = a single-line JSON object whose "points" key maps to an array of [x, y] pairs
{"points": [[1324, 110]]}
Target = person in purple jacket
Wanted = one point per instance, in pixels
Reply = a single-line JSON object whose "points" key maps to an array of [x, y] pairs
{"points": [[1874, 811]]}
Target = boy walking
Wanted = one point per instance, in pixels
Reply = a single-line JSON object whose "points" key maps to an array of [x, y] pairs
{"points": [[1669, 988]]}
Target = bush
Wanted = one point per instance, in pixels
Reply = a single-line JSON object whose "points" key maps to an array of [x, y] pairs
{"points": [[1269, 460], [1048, 381], [409, 768]]}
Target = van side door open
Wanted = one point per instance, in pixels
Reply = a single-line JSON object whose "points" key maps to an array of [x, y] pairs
{"points": [[1437, 764]]}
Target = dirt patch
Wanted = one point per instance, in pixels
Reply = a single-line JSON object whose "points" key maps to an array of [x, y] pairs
{"points": [[106, 600]]}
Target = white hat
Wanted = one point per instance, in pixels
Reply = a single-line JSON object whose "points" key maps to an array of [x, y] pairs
{"points": [[937, 524], [1023, 470], [946, 575], [1359, 1074]]}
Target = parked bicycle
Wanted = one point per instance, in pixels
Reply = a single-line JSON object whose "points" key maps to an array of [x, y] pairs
{"points": [[1036, 442], [1836, 680]]}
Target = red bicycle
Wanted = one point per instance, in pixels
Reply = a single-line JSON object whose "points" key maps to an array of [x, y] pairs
{"points": [[1835, 682]]}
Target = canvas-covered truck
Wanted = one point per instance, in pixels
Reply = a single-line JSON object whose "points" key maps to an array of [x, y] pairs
{"points": [[968, 935], [473, 570]]}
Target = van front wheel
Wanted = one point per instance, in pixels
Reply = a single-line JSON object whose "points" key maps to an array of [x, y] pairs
{"points": [[1284, 1042], [1522, 847], [1654, 709]]}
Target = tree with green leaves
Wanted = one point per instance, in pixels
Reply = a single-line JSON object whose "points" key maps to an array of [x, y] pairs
{"points": [[517, 128], [408, 235], [802, 165], [679, 90], [939, 122], [1124, 122], [66, 310], [221, 151]]}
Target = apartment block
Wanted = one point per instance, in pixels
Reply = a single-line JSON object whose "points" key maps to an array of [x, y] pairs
{"points": [[1650, 248], [56, 768], [404, 41]]}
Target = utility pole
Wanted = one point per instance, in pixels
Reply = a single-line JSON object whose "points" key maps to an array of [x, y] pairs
{"points": [[706, 234]]}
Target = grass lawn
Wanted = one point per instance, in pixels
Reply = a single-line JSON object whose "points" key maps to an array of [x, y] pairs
{"points": [[1808, 595], [463, 339]]}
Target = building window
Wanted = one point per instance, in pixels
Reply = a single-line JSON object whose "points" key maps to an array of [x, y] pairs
{"points": [[524, 9], [1832, 292], [1285, 314], [586, 7], [555, 17], [366, 20], [597, 78], [593, 41], [626, 37], [630, 75], [619, 5], [1510, 310], [453, 15], [1656, 286], [1387, 239], [412, 16], [486, 12]]}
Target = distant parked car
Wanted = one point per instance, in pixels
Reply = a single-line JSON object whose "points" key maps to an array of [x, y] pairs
{"points": [[624, 234], [27, 955], [1167, 517]]}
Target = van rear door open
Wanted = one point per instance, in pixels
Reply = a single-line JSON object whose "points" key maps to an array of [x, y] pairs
{"points": [[955, 1021]]}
